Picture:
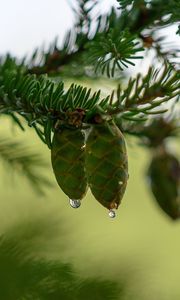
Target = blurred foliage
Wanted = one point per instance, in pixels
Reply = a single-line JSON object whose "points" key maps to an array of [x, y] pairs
{"points": [[19, 158], [23, 276]]}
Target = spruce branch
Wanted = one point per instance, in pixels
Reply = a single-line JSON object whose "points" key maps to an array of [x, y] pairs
{"points": [[124, 3], [144, 94], [104, 43], [53, 60], [151, 13], [165, 51], [83, 12], [42, 102], [112, 50], [108, 46]]}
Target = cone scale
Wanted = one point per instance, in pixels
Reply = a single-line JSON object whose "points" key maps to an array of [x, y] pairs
{"points": [[106, 164]]}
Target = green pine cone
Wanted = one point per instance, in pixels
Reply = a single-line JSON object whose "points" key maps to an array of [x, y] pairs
{"points": [[68, 162], [106, 164], [164, 174]]}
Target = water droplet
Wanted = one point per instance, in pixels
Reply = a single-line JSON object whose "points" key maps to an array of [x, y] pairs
{"points": [[112, 213], [75, 203]]}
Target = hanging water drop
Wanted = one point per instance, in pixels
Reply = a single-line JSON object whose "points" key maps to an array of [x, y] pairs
{"points": [[75, 203], [112, 213]]}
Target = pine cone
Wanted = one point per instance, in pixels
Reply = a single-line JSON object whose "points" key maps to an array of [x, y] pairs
{"points": [[68, 162], [164, 174], [106, 164]]}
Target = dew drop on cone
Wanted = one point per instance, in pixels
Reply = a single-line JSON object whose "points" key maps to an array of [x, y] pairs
{"points": [[74, 203], [112, 214]]}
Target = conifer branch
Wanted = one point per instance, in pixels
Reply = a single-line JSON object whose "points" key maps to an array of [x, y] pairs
{"points": [[105, 49], [166, 52], [112, 41], [151, 13], [42, 103], [144, 94], [112, 51]]}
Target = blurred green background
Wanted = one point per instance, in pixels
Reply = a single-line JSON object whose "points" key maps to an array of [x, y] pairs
{"points": [[140, 248]]}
